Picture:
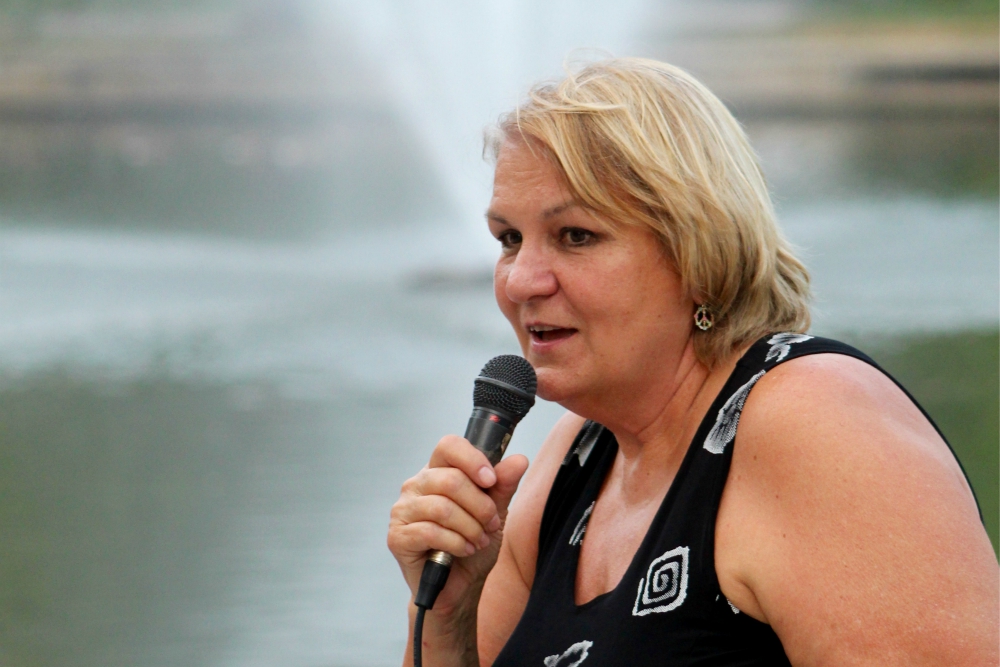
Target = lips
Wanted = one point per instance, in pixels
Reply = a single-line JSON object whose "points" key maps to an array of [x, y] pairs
{"points": [[544, 333]]}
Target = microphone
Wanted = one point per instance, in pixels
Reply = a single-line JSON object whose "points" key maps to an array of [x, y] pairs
{"points": [[501, 396]]}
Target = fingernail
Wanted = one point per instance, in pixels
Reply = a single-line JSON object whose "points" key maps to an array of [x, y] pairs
{"points": [[486, 476], [494, 524], [484, 541], [470, 548]]}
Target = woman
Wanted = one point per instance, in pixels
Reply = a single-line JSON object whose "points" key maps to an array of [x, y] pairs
{"points": [[724, 489]]}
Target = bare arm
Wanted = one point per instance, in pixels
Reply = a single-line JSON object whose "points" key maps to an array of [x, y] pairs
{"points": [[847, 525], [508, 585]]}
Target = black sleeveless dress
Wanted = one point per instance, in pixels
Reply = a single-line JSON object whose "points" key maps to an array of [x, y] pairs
{"points": [[668, 608]]}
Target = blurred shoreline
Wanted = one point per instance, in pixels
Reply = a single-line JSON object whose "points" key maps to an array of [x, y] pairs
{"points": [[249, 119], [265, 64], [907, 70]]}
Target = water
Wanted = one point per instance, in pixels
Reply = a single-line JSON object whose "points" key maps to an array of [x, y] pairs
{"points": [[235, 423], [208, 402]]}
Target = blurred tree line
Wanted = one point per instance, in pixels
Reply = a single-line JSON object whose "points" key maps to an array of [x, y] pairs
{"points": [[909, 8]]}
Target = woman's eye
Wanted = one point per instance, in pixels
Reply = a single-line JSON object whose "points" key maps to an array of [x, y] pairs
{"points": [[509, 239], [576, 237]]}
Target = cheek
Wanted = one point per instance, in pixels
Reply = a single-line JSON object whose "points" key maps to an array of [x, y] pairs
{"points": [[638, 309], [605, 299]]}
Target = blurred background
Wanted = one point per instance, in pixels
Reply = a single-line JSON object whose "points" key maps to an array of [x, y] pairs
{"points": [[245, 282]]}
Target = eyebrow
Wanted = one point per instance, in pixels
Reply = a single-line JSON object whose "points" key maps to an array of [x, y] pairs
{"points": [[547, 213], [556, 210]]}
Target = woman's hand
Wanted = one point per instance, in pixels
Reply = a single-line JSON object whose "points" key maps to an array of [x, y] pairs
{"points": [[457, 503]]}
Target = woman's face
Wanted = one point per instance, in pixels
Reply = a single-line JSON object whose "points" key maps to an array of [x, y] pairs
{"points": [[596, 307]]}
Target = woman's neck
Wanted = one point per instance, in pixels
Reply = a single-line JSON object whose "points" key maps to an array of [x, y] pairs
{"points": [[655, 423]]}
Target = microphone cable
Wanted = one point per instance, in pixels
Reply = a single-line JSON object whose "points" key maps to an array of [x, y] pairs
{"points": [[418, 634], [432, 581]]}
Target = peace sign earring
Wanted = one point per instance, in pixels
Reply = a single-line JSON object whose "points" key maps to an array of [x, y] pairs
{"points": [[704, 319]]}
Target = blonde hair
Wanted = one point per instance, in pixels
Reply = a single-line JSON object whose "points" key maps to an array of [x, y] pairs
{"points": [[643, 142]]}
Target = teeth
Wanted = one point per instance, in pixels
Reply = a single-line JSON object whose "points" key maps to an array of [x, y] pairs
{"points": [[542, 328]]}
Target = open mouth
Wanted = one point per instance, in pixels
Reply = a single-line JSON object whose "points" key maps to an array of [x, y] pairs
{"points": [[546, 334]]}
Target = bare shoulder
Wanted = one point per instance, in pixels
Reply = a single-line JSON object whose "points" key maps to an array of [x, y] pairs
{"points": [[525, 518], [833, 394], [847, 524], [857, 413]]}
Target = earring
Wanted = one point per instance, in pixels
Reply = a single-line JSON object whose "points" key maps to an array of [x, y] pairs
{"points": [[704, 318]]}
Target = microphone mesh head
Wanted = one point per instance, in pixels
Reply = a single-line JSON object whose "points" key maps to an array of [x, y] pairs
{"points": [[511, 370]]}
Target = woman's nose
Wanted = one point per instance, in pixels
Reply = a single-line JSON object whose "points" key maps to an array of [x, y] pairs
{"points": [[530, 275]]}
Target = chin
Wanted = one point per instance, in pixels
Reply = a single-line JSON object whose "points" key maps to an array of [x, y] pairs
{"points": [[553, 385]]}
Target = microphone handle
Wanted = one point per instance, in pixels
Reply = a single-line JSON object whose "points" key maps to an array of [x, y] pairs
{"points": [[489, 431]]}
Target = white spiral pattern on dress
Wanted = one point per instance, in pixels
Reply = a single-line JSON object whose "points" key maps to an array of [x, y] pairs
{"points": [[665, 586]]}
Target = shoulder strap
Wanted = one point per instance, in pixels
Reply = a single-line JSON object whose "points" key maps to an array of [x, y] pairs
{"points": [[579, 466]]}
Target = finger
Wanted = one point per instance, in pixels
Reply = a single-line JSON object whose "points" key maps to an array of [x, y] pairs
{"points": [[455, 485], [447, 514], [416, 539], [509, 473], [455, 452]]}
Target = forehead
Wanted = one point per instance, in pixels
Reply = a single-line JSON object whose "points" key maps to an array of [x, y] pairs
{"points": [[527, 178]]}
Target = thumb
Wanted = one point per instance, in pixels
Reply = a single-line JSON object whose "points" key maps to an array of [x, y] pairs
{"points": [[509, 473]]}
